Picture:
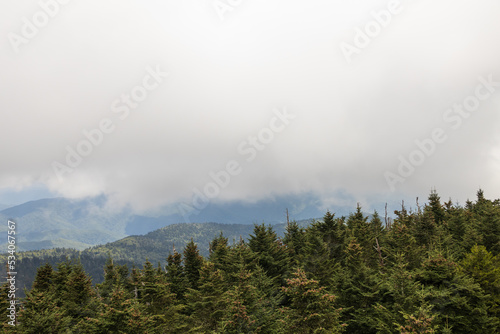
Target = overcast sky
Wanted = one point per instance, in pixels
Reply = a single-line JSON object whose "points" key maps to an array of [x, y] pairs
{"points": [[286, 97]]}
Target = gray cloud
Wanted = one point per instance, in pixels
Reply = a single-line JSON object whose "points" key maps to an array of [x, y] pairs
{"points": [[225, 79]]}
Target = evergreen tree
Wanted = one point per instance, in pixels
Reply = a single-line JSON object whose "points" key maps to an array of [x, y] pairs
{"points": [[456, 300], [332, 231], [402, 296], [44, 278], [422, 321], [219, 249], [266, 302], [487, 213], [79, 298], [241, 299], [399, 278], [401, 239], [41, 313], [269, 253], [311, 310], [192, 264], [207, 305], [295, 240], [239, 257], [425, 226], [362, 231], [435, 207], [175, 275], [358, 289], [121, 315], [484, 268], [317, 260], [114, 275], [60, 306]]}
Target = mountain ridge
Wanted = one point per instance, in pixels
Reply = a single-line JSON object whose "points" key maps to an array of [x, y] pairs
{"points": [[82, 223]]}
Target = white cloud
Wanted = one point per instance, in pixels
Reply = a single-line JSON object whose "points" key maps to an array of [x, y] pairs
{"points": [[226, 77]]}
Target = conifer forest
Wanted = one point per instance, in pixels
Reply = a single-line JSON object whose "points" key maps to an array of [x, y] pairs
{"points": [[432, 268]]}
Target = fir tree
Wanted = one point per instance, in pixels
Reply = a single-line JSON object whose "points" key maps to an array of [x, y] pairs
{"points": [[175, 275], [192, 264], [42, 313], [79, 298], [317, 260], [269, 253], [484, 268], [219, 249], [207, 305], [311, 310], [456, 300], [44, 278], [295, 240], [435, 207]]}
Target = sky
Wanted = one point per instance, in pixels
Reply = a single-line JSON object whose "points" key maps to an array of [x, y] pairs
{"points": [[157, 102]]}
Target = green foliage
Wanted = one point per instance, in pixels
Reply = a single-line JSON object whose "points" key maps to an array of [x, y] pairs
{"points": [[295, 240], [192, 264], [311, 309], [176, 276], [484, 268], [433, 270], [207, 305], [269, 252], [419, 322]]}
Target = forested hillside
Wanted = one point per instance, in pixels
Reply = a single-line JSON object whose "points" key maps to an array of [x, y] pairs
{"points": [[433, 269], [133, 250]]}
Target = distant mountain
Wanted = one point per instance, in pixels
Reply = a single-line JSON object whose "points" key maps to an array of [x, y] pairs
{"points": [[157, 245], [79, 224], [60, 222], [4, 206], [135, 250]]}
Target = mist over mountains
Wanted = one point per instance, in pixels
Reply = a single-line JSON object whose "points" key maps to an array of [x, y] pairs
{"points": [[61, 222]]}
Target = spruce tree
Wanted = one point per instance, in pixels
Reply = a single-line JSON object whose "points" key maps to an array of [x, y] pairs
{"points": [[269, 252], [175, 275], [120, 315], [484, 268], [317, 259], [435, 207], [219, 249], [358, 288], [456, 300], [241, 299], [332, 231], [295, 240], [207, 305], [192, 264], [79, 298], [311, 309], [400, 294], [44, 278], [42, 313]]}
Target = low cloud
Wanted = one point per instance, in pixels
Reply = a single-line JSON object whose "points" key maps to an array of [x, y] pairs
{"points": [[225, 80]]}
